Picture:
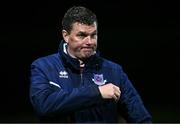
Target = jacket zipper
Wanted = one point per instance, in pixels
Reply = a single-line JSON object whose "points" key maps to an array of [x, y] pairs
{"points": [[81, 73], [81, 77]]}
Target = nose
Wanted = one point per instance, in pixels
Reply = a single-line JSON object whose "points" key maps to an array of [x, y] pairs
{"points": [[88, 40]]}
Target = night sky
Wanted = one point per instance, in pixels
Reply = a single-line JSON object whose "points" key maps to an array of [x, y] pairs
{"points": [[142, 36]]}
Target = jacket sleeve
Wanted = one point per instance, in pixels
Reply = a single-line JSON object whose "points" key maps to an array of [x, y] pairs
{"points": [[47, 100], [133, 109]]}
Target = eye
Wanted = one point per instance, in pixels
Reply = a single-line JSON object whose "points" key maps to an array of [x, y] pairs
{"points": [[94, 35], [81, 35]]}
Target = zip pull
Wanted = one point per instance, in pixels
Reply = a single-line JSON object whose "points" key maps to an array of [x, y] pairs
{"points": [[82, 65]]}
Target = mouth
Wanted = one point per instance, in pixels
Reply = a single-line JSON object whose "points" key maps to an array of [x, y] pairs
{"points": [[88, 48], [87, 51]]}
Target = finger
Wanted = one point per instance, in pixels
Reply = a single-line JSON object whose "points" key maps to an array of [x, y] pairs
{"points": [[117, 95], [114, 97], [117, 89]]}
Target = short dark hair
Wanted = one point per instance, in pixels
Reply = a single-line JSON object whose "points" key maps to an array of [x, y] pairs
{"points": [[77, 14]]}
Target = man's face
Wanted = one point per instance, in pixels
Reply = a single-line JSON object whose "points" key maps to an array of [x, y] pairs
{"points": [[82, 40]]}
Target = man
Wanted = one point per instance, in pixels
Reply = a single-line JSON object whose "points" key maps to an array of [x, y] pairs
{"points": [[77, 85]]}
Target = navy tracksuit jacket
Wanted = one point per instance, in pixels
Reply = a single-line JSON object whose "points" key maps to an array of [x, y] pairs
{"points": [[60, 92]]}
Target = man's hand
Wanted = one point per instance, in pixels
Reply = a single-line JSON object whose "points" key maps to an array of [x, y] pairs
{"points": [[110, 91]]}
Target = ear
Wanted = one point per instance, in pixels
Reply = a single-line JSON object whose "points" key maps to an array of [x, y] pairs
{"points": [[65, 35]]}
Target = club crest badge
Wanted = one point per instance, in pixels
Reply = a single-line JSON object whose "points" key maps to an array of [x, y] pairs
{"points": [[98, 79]]}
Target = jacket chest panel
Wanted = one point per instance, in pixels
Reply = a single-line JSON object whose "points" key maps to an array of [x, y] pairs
{"points": [[105, 75]]}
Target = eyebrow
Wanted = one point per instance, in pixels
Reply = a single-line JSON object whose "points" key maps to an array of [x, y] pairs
{"points": [[85, 33]]}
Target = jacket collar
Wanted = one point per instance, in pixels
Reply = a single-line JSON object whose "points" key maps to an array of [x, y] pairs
{"points": [[94, 61]]}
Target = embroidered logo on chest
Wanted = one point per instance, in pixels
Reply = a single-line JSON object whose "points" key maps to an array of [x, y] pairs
{"points": [[99, 79], [63, 74]]}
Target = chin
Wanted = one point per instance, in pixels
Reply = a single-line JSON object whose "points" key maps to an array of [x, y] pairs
{"points": [[86, 57]]}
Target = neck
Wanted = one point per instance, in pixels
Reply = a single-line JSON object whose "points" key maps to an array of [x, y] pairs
{"points": [[70, 54]]}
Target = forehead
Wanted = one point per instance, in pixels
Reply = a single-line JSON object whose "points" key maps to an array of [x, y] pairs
{"points": [[80, 27]]}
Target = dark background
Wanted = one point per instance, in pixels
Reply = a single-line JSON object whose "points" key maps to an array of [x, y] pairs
{"points": [[142, 36]]}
